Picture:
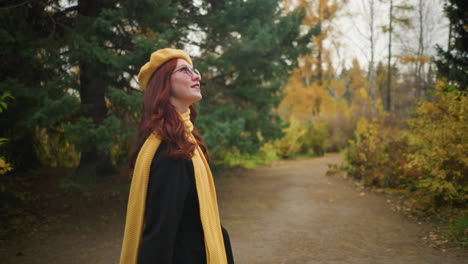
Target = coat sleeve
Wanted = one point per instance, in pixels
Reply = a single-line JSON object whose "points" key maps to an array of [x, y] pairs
{"points": [[227, 246], [168, 187]]}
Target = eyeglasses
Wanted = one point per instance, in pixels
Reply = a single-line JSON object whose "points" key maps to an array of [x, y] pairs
{"points": [[189, 71]]}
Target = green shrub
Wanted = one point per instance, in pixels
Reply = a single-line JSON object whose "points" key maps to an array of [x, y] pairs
{"points": [[54, 150], [303, 138], [314, 142], [290, 144], [233, 157], [459, 231]]}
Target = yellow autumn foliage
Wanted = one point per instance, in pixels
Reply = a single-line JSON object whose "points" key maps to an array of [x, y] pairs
{"points": [[439, 134], [53, 150], [304, 102], [289, 144], [377, 155], [431, 158], [4, 166], [303, 138]]}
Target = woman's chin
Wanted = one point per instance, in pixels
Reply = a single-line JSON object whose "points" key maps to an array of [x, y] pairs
{"points": [[197, 97]]}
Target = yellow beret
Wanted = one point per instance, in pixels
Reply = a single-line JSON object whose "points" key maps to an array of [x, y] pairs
{"points": [[157, 59]]}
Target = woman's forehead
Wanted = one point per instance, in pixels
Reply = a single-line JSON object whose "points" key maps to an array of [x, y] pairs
{"points": [[182, 62]]}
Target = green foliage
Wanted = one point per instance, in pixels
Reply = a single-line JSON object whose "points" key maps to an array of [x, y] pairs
{"points": [[75, 67], [303, 138], [315, 140], [452, 63], [27, 61], [3, 98], [248, 53], [224, 127], [55, 111], [86, 135], [439, 136], [54, 150], [127, 106], [234, 157], [459, 231], [290, 144], [58, 61]]}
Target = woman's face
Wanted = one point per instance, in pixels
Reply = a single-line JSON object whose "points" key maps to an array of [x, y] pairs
{"points": [[185, 86]]}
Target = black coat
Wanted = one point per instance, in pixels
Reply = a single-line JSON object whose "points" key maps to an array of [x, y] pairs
{"points": [[172, 232]]}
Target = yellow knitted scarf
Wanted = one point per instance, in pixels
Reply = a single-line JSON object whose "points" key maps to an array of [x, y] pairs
{"points": [[214, 243]]}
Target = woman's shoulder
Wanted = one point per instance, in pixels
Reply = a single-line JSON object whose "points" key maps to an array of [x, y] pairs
{"points": [[163, 165], [163, 156]]}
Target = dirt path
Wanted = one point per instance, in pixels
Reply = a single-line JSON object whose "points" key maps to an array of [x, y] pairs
{"points": [[290, 212], [284, 213]]}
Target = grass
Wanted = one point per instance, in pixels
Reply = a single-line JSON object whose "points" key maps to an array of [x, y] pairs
{"points": [[459, 231]]}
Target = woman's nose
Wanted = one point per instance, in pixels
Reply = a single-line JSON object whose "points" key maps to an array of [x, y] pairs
{"points": [[196, 77]]}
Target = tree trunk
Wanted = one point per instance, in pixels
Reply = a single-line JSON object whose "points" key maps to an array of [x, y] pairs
{"points": [[419, 63], [320, 47], [389, 76], [371, 72], [319, 63], [92, 93]]}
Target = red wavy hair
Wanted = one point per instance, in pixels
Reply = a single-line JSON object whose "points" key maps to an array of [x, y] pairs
{"points": [[160, 117]]}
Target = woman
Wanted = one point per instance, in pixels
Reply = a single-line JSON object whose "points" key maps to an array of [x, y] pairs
{"points": [[172, 214]]}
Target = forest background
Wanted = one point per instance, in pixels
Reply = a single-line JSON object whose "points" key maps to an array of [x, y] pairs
{"points": [[278, 82]]}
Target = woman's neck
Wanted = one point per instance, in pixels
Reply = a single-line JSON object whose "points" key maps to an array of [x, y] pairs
{"points": [[181, 108]]}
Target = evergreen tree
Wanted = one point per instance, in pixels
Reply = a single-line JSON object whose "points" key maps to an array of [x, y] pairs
{"points": [[105, 46], [72, 65], [29, 71], [453, 62], [248, 51]]}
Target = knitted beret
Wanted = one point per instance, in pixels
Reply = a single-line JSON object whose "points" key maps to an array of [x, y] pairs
{"points": [[157, 59]]}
